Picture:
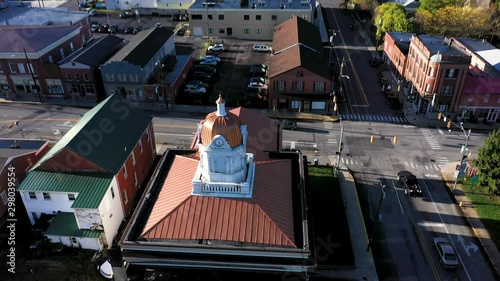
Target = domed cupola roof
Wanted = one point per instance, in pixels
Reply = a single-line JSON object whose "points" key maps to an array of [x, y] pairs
{"points": [[221, 123]]}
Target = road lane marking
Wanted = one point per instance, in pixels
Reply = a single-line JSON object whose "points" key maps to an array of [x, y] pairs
{"points": [[430, 224], [447, 232], [468, 247], [397, 195], [426, 251], [175, 135]]}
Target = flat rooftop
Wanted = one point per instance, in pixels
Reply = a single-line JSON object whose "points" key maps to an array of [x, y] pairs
{"points": [[39, 16], [437, 44], [483, 49], [254, 4]]}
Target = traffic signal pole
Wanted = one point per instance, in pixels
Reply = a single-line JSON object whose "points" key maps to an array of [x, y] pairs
{"points": [[463, 153]]}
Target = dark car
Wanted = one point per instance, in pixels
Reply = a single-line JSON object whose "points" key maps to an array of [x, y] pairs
{"points": [[205, 68], [409, 183], [103, 28], [123, 14], [289, 124], [258, 80], [255, 92], [260, 66], [137, 29], [258, 72], [129, 30], [200, 75]]}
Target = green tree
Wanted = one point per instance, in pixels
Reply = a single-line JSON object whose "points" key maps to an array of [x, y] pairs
{"points": [[391, 17], [433, 6], [488, 163]]}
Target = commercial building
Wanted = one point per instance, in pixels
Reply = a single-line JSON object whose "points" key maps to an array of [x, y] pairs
{"points": [[243, 19]]}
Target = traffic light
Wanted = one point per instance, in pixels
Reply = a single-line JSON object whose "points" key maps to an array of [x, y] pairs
{"points": [[440, 115], [10, 125], [448, 125], [372, 139], [395, 140], [335, 108]]}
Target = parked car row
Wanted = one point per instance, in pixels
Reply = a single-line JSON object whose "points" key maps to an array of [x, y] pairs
{"points": [[204, 72], [104, 28], [257, 88]]}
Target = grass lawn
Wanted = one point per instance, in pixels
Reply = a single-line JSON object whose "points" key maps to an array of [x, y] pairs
{"points": [[329, 220], [487, 207]]}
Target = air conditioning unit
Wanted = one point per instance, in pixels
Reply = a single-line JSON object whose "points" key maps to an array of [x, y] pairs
{"points": [[305, 2], [262, 3], [96, 226]]}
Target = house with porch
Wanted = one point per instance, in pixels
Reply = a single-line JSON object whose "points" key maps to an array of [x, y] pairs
{"points": [[299, 73], [89, 181]]}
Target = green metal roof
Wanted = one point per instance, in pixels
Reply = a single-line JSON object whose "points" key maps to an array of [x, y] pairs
{"points": [[90, 188], [105, 134], [64, 224]]}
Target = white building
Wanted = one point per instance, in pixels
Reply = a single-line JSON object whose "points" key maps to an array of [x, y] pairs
{"points": [[85, 208], [150, 7]]}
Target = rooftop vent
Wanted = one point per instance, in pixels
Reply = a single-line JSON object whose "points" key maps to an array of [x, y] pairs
{"points": [[209, 4], [305, 2], [244, 3]]}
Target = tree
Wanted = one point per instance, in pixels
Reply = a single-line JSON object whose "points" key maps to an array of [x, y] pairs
{"points": [[432, 6], [391, 17], [488, 163]]}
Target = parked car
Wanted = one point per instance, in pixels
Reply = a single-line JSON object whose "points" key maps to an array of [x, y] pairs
{"points": [[205, 68], [208, 62], [409, 183], [199, 83], [289, 124], [100, 5], [179, 17], [216, 48], [137, 29], [261, 66], [258, 80], [257, 71], [129, 30], [255, 92], [261, 48], [446, 253], [123, 14], [92, 12], [193, 89], [83, 5], [180, 32], [104, 28], [203, 76], [94, 27], [257, 85], [210, 57]]}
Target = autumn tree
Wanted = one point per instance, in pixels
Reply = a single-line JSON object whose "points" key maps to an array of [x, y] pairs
{"points": [[391, 17], [488, 163]]}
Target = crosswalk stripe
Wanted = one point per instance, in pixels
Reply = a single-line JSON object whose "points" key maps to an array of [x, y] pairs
{"points": [[378, 118]]}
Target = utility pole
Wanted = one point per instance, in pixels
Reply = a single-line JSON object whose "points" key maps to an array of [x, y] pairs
{"points": [[33, 76], [341, 146], [377, 218]]}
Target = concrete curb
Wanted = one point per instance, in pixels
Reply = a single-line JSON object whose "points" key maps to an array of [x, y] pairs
{"points": [[484, 247]]}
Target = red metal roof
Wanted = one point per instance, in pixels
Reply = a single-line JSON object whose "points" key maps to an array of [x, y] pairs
{"points": [[267, 218], [481, 85], [262, 133]]}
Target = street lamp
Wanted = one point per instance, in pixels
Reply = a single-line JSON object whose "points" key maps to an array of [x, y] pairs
{"points": [[17, 125], [463, 153], [160, 66]]}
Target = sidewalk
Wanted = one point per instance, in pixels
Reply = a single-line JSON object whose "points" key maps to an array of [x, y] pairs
{"points": [[363, 259], [471, 216]]}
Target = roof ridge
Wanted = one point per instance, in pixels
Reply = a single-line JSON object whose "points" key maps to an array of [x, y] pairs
{"points": [[273, 221]]}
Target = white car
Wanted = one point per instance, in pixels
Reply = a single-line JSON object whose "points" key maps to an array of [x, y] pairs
{"points": [[106, 270], [194, 89], [258, 85], [211, 58], [92, 12], [261, 48], [208, 62], [446, 252], [216, 48], [95, 27]]}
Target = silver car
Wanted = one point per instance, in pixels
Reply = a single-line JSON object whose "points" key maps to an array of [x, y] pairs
{"points": [[446, 253]]}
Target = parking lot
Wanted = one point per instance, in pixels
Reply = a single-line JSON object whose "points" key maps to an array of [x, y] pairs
{"points": [[233, 73]]}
